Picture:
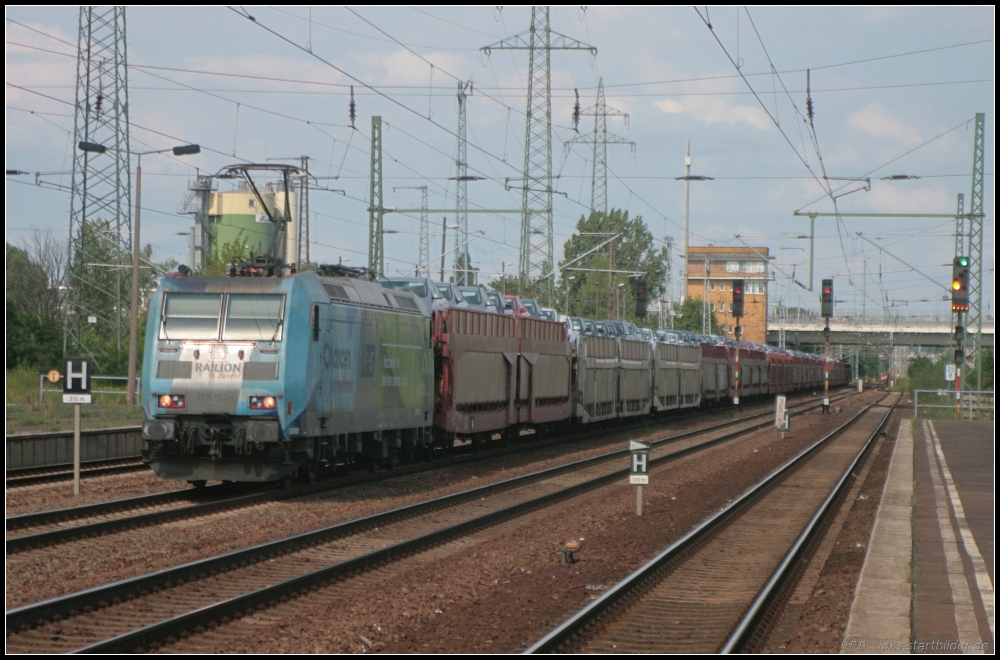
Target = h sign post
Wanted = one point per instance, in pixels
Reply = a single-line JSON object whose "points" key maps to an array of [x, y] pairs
{"points": [[639, 473], [76, 385], [76, 390]]}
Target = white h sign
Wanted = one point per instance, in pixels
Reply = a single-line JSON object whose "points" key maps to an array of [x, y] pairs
{"points": [[76, 386], [640, 463]]}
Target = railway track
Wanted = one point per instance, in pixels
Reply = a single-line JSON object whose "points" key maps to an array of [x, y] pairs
{"points": [[712, 589], [155, 608], [42, 529], [20, 477]]}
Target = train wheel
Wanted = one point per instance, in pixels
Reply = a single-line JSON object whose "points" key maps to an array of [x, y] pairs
{"points": [[308, 475]]}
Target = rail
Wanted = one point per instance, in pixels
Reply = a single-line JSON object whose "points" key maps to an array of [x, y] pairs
{"points": [[138, 387], [948, 404]]}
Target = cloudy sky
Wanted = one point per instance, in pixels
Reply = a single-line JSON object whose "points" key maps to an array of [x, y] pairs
{"points": [[894, 92]]}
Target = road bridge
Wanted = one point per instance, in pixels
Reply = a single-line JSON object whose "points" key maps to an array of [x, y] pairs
{"points": [[912, 330]]}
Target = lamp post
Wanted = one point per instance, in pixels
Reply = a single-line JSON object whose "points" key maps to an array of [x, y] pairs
{"points": [[185, 150], [444, 240], [503, 276], [568, 280]]}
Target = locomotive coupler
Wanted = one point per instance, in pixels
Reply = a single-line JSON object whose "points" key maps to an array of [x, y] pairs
{"points": [[215, 449]]}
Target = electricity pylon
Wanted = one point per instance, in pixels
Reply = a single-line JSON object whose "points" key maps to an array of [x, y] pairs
{"points": [[974, 317], [536, 250], [462, 179], [376, 212], [600, 139], [100, 225]]}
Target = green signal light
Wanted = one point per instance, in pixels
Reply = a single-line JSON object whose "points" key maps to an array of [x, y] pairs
{"points": [[963, 261]]}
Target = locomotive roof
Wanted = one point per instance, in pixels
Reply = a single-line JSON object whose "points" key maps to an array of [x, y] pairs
{"points": [[343, 290]]}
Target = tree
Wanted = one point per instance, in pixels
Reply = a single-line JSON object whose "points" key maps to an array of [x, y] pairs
{"points": [[27, 284], [592, 292], [33, 341], [869, 364], [33, 320], [689, 317], [460, 265], [217, 260]]}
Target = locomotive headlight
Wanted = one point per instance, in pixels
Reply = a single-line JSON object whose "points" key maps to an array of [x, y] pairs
{"points": [[263, 403], [170, 401]]}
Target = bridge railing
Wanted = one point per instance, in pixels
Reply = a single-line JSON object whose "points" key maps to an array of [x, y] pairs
{"points": [[945, 404], [941, 318]]}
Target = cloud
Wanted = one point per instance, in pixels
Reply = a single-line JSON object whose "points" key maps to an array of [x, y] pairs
{"points": [[903, 198], [265, 66], [716, 110], [706, 100], [600, 14], [402, 67], [874, 121]]}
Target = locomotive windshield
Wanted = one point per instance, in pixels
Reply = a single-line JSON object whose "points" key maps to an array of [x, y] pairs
{"points": [[192, 316], [249, 316], [253, 316]]}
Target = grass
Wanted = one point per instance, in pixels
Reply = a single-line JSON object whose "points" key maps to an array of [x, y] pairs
{"points": [[27, 412]]}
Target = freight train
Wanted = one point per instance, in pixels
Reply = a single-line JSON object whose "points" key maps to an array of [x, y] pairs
{"points": [[256, 378]]}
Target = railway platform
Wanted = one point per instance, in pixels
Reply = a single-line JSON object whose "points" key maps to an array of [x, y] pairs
{"points": [[927, 585]]}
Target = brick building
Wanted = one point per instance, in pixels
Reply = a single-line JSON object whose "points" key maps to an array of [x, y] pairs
{"points": [[725, 264]]}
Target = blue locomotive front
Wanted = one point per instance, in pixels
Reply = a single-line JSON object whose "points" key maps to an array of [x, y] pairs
{"points": [[266, 378]]}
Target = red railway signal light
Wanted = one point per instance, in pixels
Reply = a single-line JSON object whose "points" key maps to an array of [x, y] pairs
{"points": [[826, 299]]}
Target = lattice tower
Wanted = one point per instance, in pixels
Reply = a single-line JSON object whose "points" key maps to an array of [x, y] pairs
{"points": [[98, 298]]}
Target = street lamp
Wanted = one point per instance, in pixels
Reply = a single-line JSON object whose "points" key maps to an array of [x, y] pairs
{"points": [[444, 241], [503, 276], [183, 150], [133, 339], [568, 279]]}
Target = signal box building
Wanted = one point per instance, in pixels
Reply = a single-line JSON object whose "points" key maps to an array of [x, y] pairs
{"points": [[713, 270]]}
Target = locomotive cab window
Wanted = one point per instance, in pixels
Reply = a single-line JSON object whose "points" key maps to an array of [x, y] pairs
{"points": [[191, 316], [254, 316]]}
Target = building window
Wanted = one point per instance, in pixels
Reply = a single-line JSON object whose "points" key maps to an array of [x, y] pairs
{"points": [[730, 308], [711, 286], [732, 266], [730, 329], [251, 203]]}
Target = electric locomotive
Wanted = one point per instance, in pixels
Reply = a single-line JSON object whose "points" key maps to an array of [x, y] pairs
{"points": [[269, 378]]}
